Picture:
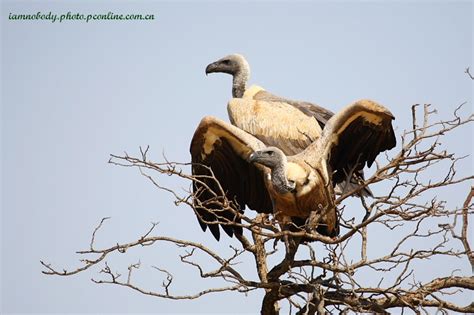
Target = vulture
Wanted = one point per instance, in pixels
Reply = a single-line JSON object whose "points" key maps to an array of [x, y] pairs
{"points": [[232, 163], [286, 124]]}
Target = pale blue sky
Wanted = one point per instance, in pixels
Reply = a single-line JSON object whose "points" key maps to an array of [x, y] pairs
{"points": [[72, 93]]}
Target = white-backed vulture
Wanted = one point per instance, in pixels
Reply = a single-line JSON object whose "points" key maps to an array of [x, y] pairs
{"points": [[286, 124], [266, 180]]}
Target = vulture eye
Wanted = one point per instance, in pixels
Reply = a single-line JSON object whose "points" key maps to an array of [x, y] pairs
{"points": [[226, 62], [270, 153]]}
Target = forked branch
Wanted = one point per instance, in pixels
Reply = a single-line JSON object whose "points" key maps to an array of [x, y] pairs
{"points": [[328, 274]]}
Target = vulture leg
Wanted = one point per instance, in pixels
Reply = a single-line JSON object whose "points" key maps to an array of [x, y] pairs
{"points": [[291, 246], [291, 242]]}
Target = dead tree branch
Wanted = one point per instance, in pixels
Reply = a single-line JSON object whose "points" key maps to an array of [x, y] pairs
{"points": [[469, 73], [411, 218]]}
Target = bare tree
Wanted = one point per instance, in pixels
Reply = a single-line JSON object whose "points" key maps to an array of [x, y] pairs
{"points": [[334, 273], [468, 72]]}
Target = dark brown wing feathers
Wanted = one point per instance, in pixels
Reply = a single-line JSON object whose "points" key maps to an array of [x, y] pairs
{"points": [[242, 183], [360, 143]]}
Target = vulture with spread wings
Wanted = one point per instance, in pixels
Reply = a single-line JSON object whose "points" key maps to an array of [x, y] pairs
{"points": [[234, 165], [276, 121]]}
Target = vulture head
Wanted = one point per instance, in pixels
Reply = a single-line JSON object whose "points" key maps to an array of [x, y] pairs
{"points": [[237, 67], [276, 161], [271, 157]]}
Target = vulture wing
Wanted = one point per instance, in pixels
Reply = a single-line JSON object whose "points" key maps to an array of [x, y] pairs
{"points": [[221, 149], [354, 137], [321, 114], [274, 123]]}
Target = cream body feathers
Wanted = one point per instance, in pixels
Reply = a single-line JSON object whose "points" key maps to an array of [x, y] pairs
{"points": [[273, 121]]}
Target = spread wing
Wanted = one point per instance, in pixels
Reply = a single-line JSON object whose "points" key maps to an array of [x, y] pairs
{"points": [[221, 149], [353, 138]]}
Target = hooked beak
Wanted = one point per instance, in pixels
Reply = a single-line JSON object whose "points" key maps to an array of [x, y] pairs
{"points": [[252, 157], [211, 68]]}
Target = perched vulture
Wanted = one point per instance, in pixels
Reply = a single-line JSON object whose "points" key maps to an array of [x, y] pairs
{"points": [[288, 125], [249, 173]]}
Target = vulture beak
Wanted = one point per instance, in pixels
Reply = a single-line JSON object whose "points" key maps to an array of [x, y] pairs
{"points": [[211, 68], [252, 157]]}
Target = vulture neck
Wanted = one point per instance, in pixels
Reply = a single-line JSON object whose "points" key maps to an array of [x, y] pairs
{"points": [[239, 83]]}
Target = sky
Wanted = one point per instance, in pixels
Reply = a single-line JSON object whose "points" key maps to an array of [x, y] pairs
{"points": [[72, 93]]}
